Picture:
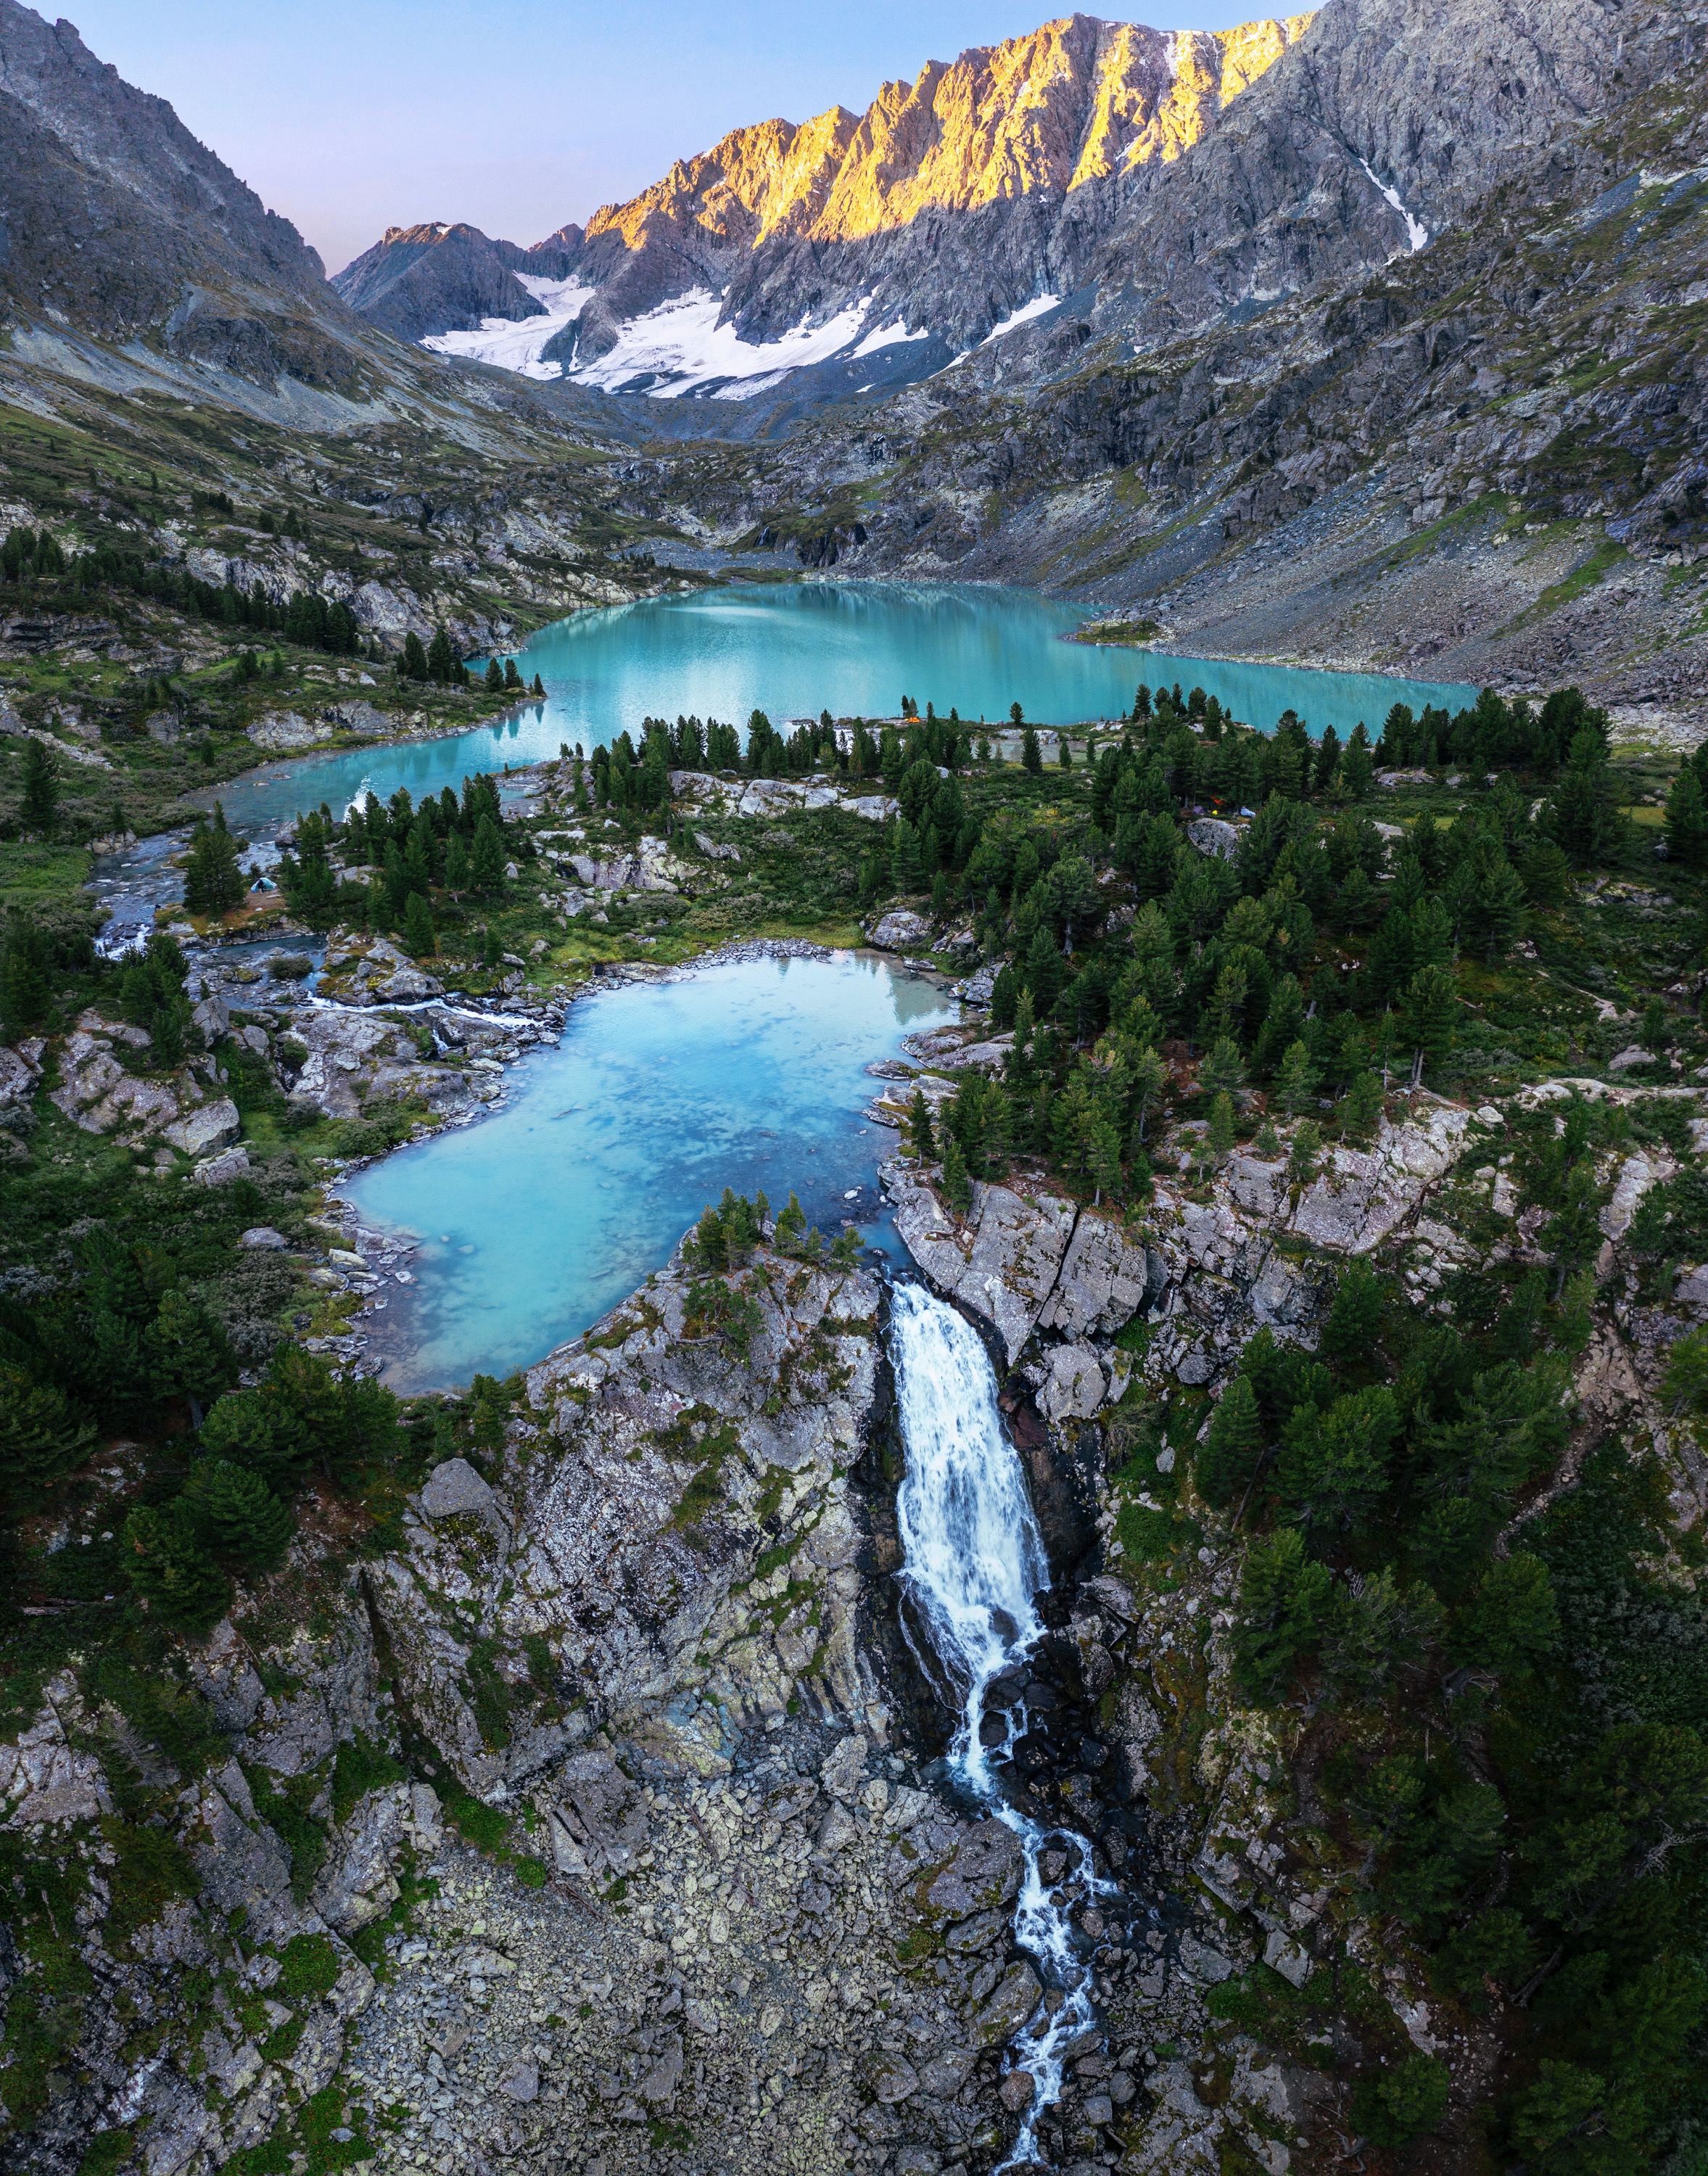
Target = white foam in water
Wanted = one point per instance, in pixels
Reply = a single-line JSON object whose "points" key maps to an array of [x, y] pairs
{"points": [[974, 1564]]}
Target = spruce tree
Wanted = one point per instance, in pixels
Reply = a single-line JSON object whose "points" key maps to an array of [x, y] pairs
{"points": [[1223, 1071], [1031, 755], [1429, 1016], [41, 1437], [456, 864], [538, 687], [513, 679], [418, 937], [1307, 1141], [494, 680], [1362, 1106], [413, 664], [186, 1351], [1355, 1318], [1222, 1136], [905, 873], [1229, 1458], [234, 1516]]}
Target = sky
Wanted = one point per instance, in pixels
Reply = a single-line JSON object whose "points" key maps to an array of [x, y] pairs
{"points": [[353, 116]]}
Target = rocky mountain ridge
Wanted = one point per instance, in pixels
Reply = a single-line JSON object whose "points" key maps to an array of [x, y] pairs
{"points": [[953, 203]]}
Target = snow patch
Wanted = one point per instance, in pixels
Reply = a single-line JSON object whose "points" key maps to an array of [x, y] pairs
{"points": [[1023, 316], [515, 343], [1417, 234], [680, 345]]}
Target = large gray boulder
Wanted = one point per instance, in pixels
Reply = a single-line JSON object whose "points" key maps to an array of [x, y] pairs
{"points": [[1001, 1263]]}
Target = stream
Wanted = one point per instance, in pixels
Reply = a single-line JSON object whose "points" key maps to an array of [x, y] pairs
{"points": [[974, 1565]]}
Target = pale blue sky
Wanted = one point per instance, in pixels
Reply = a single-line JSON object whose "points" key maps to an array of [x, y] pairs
{"points": [[351, 116]]}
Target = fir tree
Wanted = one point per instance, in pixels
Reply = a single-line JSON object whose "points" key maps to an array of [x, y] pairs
{"points": [[1355, 1318], [234, 1516], [538, 688], [513, 679], [1362, 1106], [456, 864], [413, 664], [213, 882], [1302, 1162], [1429, 1017], [1223, 1072], [493, 681], [905, 874], [186, 1351], [441, 659], [1031, 755], [418, 937], [1221, 1134]]}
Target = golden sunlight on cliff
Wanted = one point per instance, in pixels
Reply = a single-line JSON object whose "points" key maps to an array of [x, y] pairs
{"points": [[1078, 100]]}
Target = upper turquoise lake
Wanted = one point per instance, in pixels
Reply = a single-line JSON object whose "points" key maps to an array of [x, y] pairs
{"points": [[853, 648]]}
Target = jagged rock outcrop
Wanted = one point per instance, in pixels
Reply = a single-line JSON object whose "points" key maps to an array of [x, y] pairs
{"points": [[438, 277]]}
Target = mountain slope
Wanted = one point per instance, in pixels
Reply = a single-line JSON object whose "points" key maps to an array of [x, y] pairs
{"points": [[952, 203], [1480, 461]]}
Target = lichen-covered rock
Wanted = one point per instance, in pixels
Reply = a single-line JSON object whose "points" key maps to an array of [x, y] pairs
{"points": [[1362, 1194]]}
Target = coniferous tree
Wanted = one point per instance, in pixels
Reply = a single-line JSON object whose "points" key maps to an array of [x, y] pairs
{"points": [[456, 865], [169, 1569], [538, 687], [186, 1351], [1296, 1079], [487, 862], [1429, 1016], [418, 937], [42, 1435], [413, 664], [234, 1516], [957, 1184], [40, 806], [1221, 1136], [1229, 1458], [1031, 755], [513, 679], [25, 985], [494, 680], [1687, 821], [919, 1127]]}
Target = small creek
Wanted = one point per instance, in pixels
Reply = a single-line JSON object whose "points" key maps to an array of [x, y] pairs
{"points": [[529, 1224]]}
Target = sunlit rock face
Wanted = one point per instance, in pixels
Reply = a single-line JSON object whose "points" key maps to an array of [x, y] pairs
{"points": [[957, 206]]}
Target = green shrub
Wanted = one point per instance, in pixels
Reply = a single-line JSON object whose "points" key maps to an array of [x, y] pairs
{"points": [[308, 1969]]}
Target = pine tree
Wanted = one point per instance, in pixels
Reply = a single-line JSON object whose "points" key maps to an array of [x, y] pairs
{"points": [[493, 681], [441, 659], [919, 1128], [1065, 754], [957, 1185], [1031, 755], [1687, 821], [1222, 1136], [538, 688], [418, 937], [1223, 1071], [41, 1437], [234, 1516], [39, 806], [1362, 1106], [213, 882], [1229, 1458], [905, 873], [413, 664], [1430, 1015], [1295, 1080], [25, 985], [168, 1568], [792, 1225], [186, 1352], [487, 862], [456, 864], [1307, 1141], [1355, 1318], [513, 679], [1103, 1159]]}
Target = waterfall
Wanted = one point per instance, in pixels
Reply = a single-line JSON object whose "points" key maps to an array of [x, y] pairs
{"points": [[973, 1566]]}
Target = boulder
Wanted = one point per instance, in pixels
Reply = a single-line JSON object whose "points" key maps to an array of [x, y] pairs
{"points": [[900, 931], [599, 1819], [1362, 1194], [280, 729], [1210, 835], [1074, 1388], [209, 1127], [262, 1238], [454, 1486], [220, 1170], [1106, 1278]]}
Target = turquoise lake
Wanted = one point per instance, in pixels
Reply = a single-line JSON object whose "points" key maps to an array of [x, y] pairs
{"points": [[854, 648], [535, 1221]]}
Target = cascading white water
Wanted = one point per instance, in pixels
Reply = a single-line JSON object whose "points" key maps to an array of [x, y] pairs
{"points": [[974, 1563]]}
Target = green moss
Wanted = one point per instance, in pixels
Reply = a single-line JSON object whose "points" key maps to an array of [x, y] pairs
{"points": [[484, 1826], [308, 1969], [151, 1872], [107, 2150]]}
